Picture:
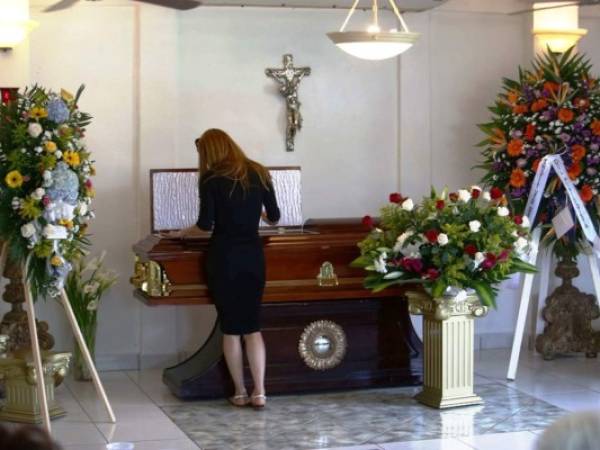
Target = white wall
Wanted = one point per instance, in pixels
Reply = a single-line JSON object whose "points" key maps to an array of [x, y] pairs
{"points": [[157, 78]]}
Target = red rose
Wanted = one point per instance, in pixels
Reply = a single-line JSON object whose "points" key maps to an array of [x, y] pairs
{"points": [[368, 222], [518, 220], [471, 249], [439, 204], [487, 264], [396, 198], [496, 193], [475, 193], [412, 265], [453, 196], [88, 183], [432, 274], [432, 235], [503, 256]]}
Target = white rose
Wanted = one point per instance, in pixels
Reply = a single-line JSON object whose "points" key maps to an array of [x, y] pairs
{"points": [[38, 193], [525, 223], [38, 149], [479, 258], [464, 195], [408, 205], [486, 196], [503, 211], [442, 239], [28, 230], [520, 244], [34, 129], [474, 225], [58, 154]]}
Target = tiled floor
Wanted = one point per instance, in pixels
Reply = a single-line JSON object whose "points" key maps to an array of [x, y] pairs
{"points": [[141, 403]]}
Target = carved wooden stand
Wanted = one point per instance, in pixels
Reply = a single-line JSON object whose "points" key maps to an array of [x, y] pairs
{"points": [[568, 314]]}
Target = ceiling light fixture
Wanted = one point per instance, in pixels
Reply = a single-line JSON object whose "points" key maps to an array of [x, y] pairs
{"points": [[374, 44]]}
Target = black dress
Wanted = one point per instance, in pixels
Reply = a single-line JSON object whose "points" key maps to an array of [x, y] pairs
{"points": [[235, 266]]}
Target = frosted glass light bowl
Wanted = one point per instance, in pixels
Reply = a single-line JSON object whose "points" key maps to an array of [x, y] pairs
{"points": [[120, 446], [373, 46]]}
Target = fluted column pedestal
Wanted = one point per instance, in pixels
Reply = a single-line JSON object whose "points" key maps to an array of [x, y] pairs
{"points": [[448, 346]]}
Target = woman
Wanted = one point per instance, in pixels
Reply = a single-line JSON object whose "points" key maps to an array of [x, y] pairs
{"points": [[233, 191]]}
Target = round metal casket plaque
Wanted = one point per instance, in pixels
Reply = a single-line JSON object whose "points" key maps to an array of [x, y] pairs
{"points": [[322, 345]]}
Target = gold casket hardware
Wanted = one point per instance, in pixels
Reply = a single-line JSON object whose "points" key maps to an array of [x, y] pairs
{"points": [[327, 276]]}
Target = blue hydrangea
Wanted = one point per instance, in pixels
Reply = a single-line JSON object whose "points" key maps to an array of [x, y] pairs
{"points": [[58, 111], [65, 185]]}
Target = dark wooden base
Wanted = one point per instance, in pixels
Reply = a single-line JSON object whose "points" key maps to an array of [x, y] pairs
{"points": [[383, 350]]}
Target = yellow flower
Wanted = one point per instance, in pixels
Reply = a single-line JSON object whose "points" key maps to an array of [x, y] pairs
{"points": [[66, 223], [90, 192], [38, 113], [66, 95], [14, 179], [72, 158], [56, 261], [50, 146]]}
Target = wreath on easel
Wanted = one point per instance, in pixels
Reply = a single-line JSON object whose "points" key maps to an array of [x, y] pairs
{"points": [[45, 184]]}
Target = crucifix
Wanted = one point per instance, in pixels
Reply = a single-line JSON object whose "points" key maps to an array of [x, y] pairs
{"points": [[289, 78]]}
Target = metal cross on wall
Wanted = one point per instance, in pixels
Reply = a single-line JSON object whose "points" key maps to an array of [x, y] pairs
{"points": [[289, 78]]}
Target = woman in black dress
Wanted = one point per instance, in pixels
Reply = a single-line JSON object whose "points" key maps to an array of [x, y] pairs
{"points": [[233, 191]]}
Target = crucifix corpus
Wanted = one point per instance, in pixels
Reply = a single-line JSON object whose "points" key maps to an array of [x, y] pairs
{"points": [[289, 78]]}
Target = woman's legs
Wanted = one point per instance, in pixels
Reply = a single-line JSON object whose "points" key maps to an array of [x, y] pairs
{"points": [[232, 349], [255, 351]]}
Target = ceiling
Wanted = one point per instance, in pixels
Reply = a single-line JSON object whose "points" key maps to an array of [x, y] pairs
{"points": [[404, 5]]}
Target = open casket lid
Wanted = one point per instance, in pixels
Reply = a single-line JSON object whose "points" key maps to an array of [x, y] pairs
{"points": [[174, 197]]}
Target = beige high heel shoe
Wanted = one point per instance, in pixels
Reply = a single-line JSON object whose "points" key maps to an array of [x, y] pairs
{"points": [[258, 401], [235, 400]]}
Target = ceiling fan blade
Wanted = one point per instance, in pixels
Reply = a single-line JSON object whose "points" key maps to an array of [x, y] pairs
{"points": [[181, 5], [62, 4]]}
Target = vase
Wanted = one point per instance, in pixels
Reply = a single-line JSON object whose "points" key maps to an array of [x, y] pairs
{"points": [[448, 346], [80, 369]]}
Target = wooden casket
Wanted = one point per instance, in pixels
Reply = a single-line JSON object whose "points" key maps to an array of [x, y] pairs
{"points": [[322, 329]]}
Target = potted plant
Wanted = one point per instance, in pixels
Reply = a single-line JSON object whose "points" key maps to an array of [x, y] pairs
{"points": [[85, 285], [458, 247]]}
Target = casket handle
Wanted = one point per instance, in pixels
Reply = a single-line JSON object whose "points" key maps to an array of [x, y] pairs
{"points": [[327, 276]]}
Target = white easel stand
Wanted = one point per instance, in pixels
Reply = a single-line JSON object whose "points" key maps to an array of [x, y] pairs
{"points": [[37, 357]]}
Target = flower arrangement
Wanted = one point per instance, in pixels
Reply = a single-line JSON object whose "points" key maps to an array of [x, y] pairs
{"points": [[45, 185], [465, 239], [85, 284], [553, 108]]}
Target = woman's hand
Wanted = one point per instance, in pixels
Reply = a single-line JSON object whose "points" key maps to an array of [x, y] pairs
{"points": [[265, 218]]}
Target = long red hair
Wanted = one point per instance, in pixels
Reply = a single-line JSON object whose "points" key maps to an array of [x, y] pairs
{"points": [[222, 156]]}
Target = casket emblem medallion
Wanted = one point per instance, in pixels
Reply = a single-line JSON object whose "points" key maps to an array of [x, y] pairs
{"points": [[322, 345]]}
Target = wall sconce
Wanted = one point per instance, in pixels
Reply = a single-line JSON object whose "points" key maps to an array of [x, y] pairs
{"points": [[14, 23], [556, 28]]}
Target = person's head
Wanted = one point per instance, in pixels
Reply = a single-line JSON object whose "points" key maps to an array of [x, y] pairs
{"points": [[26, 437], [221, 155], [578, 431]]}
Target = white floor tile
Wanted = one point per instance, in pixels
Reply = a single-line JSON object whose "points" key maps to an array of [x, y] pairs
{"points": [[125, 413], [575, 401], [436, 444], [358, 447], [148, 430], [180, 444], [75, 434], [522, 440]]}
